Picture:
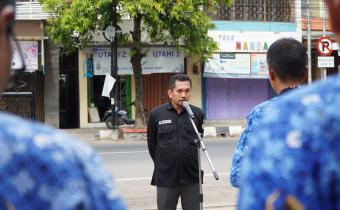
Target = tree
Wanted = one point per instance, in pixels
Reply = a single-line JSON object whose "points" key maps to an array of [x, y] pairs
{"points": [[182, 23]]}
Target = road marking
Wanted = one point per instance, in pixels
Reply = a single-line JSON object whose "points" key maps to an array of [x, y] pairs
{"points": [[149, 178], [129, 152]]}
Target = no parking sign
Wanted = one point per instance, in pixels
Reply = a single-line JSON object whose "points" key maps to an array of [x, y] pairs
{"points": [[325, 46]]}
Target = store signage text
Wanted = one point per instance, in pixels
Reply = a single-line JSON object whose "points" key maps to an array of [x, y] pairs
{"points": [[156, 60], [248, 41], [251, 46]]}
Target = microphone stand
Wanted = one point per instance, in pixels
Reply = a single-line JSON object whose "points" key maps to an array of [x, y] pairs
{"points": [[200, 145]]}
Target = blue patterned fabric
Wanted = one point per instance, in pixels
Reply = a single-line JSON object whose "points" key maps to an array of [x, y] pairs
{"points": [[294, 156], [42, 169], [253, 119]]}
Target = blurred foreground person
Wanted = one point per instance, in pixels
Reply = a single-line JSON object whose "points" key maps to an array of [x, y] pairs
{"points": [[40, 168], [293, 161], [286, 60]]}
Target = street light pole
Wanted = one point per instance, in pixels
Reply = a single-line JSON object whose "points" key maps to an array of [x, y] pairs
{"points": [[113, 74], [114, 63], [110, 34]]}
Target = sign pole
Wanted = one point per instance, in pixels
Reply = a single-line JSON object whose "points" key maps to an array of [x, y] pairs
{"points": [[309, 45], [324, 32], [325, 50]]}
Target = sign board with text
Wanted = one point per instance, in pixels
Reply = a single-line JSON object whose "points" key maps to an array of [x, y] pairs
{"points": [[325, 62], [157, 60], [248, 41], [237, 65]]}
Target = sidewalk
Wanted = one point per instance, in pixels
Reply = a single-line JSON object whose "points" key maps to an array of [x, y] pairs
{"points": [[212, 130]]}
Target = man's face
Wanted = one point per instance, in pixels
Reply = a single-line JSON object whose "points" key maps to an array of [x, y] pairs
{"points": [[6, 15], [181, 92]]}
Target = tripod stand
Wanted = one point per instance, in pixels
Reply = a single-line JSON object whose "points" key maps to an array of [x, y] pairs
{"points": [[200, 145]]}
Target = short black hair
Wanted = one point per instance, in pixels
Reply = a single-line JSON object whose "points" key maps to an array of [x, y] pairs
{"points": [[178, 77], [288, 59]]}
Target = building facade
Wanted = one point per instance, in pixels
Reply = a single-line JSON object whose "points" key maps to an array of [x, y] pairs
{"points": [[67, 88], [235, 78]]}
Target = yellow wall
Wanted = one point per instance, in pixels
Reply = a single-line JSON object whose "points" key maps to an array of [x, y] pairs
{"points": [[83, 110], [196, 90]]}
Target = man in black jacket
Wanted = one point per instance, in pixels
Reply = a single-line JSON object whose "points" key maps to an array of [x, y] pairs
{"points": [[172, 147]]}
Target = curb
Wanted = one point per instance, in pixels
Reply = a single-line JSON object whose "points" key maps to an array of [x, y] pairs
{"points": [[231, 131], [104, 135], [140, 134]]}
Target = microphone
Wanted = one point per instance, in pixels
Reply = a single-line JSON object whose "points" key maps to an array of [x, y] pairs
{"points": [[187, 107]]}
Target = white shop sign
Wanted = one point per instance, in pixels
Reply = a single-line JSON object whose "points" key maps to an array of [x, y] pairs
{"points": [[237, 65], [325, 62], [157, 60], [234, 64]]}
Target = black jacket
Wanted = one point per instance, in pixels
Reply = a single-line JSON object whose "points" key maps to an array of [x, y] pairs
{"points": [[171, 145]]}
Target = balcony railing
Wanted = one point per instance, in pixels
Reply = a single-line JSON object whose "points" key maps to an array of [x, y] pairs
{"points": [[30, 11], [257, 10]]}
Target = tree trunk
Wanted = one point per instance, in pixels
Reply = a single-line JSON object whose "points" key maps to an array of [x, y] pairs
{"points": [[136, 61]]}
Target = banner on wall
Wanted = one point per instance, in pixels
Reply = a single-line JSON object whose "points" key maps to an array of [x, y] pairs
{"points": [[157, 60], [237, 65], [228, 63], [259, 64], [30, 55]]}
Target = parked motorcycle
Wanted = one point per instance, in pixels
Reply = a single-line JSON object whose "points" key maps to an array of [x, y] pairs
{"points": [[122, 118]]}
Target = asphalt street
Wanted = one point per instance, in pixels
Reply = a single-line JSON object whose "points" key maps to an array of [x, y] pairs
{"points": [[131, 166]]}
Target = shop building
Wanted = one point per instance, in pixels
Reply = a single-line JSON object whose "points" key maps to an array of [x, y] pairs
{"points": [[159, 64], [235, 78]]}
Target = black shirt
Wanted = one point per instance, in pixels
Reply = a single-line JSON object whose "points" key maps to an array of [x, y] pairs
{"points": [[171, 145]]}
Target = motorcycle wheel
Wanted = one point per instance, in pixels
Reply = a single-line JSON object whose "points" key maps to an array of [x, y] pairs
{"points": [[110, 122]]}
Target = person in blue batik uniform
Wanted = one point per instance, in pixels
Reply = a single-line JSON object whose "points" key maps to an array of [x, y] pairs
{"points": [[41, 168], [293, 161], [286, 60]]}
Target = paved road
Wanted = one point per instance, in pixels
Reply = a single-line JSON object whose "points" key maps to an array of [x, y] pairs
{"points": [[131, 166]]}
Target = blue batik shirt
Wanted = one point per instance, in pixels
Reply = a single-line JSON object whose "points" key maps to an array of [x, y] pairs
{"points": [[43, 169], [253, 119], [293, 157]]}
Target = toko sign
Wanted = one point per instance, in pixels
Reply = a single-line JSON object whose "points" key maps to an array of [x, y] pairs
{"points": [[248, 41]]}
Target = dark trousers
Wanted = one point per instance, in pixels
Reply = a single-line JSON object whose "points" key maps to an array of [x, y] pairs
{"points": [[167, 197]]}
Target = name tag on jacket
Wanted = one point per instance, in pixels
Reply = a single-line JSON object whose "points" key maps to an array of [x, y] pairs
{"points": [[162, 122]]}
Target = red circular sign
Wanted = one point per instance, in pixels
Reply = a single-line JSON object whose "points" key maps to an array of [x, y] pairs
{"points": [[324, 46]]}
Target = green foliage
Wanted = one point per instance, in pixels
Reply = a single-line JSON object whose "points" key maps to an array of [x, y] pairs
{"points": [[181, 23], [81, 17]]}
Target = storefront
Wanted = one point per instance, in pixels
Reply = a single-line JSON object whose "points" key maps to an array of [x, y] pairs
{"points": [[158, 64], [236, 76]]}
